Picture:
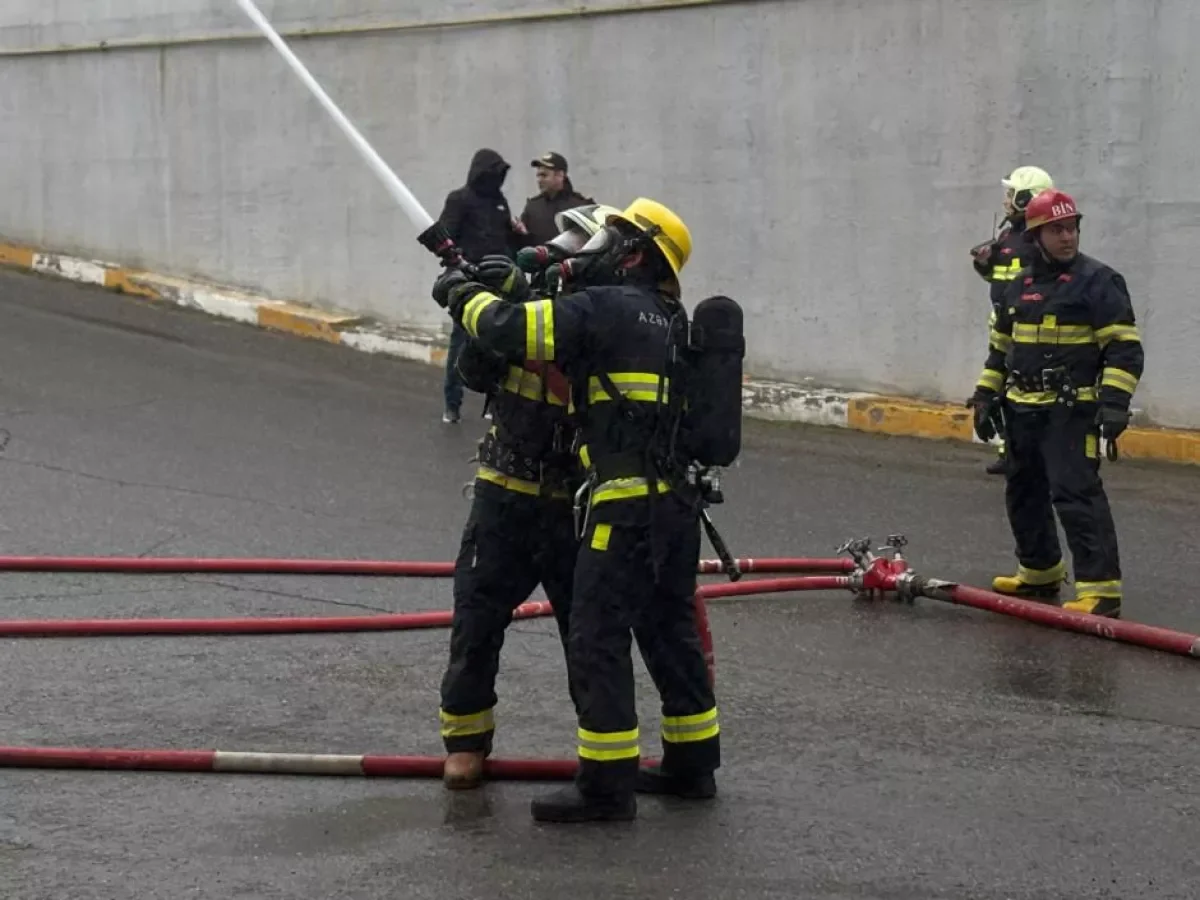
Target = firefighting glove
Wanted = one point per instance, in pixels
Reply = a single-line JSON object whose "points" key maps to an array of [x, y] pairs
{"points": [[530, 259], [447, 282], [1112, 420], [983, 405], [499, 273]]}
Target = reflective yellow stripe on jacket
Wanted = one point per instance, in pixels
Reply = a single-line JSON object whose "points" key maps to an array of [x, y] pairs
{"points": [[991, 380], [641, 386], [1045, 398], [1026, 333], [519, 485], [1007, 273], [625, 489], [1119, 379], [1105, 336], [529, 385], [474, 309], [539, 330]]}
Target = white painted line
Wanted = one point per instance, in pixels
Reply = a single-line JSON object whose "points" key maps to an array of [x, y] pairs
{"points": [[69, 268]]}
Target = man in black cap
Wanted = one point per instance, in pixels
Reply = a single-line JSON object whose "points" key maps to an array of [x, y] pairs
{"points": [[557, 195]]}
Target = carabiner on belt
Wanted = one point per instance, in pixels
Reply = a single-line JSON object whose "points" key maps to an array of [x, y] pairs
{"points": [[582, 509]]}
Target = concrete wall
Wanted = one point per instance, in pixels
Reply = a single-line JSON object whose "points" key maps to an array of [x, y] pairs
{"points": [[834, 158]]}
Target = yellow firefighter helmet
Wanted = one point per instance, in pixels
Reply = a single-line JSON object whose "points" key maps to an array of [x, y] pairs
{"points": [[664, 227]]}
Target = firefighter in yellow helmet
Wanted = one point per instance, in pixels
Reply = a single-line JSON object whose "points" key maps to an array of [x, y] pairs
{"points": [[519, 532], [1000, 260], [638, 516]]}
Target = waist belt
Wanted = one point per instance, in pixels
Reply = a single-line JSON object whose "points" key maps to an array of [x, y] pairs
{"points": [[1056, 380], [630, 464], [553, 473], [1052, 385]]}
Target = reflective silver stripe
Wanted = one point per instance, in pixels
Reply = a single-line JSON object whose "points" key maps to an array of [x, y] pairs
{"points": [[540, 329]]}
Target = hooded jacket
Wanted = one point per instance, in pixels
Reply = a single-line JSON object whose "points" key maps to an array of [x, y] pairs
{"points": [[477, 215]]}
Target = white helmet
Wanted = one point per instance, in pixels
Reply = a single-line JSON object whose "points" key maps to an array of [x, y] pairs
{"points": [[1025, 183], [578, 224]]}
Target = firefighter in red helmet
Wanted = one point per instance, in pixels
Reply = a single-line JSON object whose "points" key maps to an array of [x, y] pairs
{"points": [[1064, 361]]}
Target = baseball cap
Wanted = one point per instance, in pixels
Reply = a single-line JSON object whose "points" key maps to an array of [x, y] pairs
{"points": [[551, 160]]}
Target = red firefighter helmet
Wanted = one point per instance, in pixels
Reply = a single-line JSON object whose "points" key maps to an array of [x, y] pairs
{"points": [[1050, 206]]}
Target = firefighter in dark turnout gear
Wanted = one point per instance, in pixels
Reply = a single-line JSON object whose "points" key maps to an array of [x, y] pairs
{"points": [[1065, 359], [520, 531], [640, 551], [1002, 259]]}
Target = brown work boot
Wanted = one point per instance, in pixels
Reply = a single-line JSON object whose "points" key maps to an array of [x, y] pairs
{"points": [[463, 771]]}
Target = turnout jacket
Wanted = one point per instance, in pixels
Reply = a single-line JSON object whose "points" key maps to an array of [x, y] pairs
{"points": [[1011, 253], [602, 339], [528, 449], [1064, 326]]}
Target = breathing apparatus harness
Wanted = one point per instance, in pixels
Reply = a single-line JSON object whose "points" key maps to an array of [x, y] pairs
{"points": [[665, 456]]}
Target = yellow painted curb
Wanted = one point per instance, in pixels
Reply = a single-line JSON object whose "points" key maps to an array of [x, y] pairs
{"points": [[126, 282], [304, 321], [1165, 444], [914, 418], [902, 417], [12, 255]]}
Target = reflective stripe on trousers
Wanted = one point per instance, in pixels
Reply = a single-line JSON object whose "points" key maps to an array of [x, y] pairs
{"points": [[612, 746], [688, 729], [465, 726]]}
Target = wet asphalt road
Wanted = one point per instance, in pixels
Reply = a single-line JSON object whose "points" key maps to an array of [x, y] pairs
{"points": [[871, 751]]}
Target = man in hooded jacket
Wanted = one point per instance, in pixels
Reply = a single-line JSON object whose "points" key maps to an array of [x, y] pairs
{"points": [[477, 217]]}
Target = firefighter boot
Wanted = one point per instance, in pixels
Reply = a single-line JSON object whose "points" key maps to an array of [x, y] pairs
{"points": [[1106, 604], [1037, 584], [653, 780], [570, 805], [463, 771]]}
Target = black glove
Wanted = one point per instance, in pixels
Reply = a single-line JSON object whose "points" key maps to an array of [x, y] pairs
{"points": [[1112, 420], [446, 283], [502, 275], [984, 404]]}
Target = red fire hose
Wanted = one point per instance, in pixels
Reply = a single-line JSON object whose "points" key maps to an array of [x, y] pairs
{"points": [[329, 764], [236, 566], [275, 763], [1149, 636], [866, 575], [878, 575], [266, 625], [774, 586]]}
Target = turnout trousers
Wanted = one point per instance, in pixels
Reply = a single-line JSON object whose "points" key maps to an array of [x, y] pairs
{"points": [[638, 580], [512, 542], [1054, 465]]}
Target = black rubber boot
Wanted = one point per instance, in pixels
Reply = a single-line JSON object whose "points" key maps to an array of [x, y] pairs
{"points": [[653, 780], [569, 805]]}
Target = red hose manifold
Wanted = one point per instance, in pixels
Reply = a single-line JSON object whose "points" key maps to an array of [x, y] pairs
{"points": [[877, 576]]}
